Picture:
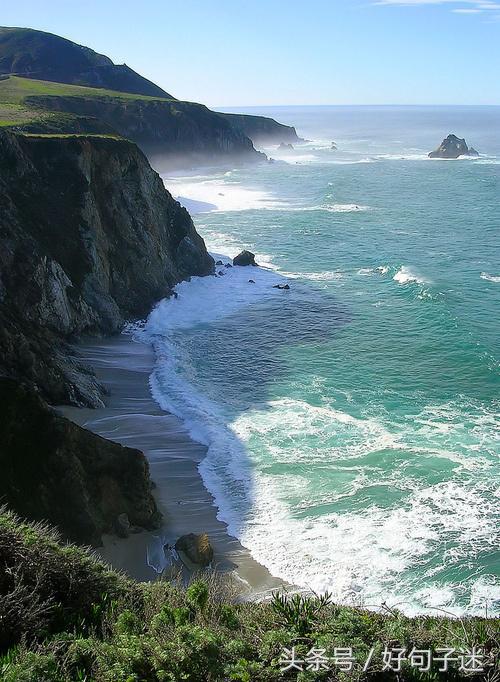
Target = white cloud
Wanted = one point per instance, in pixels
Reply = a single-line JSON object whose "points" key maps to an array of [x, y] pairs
{"points": [[486, 7]]}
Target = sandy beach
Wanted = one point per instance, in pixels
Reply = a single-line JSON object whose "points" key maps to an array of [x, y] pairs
{"points": [[133, 418]]}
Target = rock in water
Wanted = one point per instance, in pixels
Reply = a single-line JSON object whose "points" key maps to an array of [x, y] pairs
{"points": [[285, 146], [244, 258], [197, 548], [451, 148]]}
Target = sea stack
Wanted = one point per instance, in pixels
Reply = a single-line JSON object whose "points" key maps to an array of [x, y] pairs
{"points": [[244, 258], [451, 148]]}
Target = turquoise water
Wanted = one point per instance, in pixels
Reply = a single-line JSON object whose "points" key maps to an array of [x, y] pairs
{"points": [[353, 421]]}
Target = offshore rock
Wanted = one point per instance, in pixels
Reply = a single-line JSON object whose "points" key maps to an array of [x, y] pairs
{"points": [[451, 148]]}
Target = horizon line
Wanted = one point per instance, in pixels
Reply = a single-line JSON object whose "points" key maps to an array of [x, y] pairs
{"points": [[249, 106]]}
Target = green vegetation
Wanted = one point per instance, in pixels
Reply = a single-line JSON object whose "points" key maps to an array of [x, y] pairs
{"points": [[22, 105], [15, 89], [65, 616]]}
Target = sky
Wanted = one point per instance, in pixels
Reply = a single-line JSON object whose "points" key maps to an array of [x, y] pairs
{"points": [[277, 52]]}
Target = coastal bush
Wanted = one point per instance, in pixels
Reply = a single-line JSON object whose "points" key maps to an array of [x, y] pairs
{"points": [[66, 617]]}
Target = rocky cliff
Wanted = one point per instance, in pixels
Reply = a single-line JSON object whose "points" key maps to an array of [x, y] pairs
{"points": [[53, 470], [261, 129], [162, 128], [90, 238]]}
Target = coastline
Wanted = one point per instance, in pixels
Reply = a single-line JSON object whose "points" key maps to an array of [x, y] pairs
{"points": [[133, 418]]}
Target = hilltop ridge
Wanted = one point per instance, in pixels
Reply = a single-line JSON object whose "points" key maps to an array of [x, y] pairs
{"points": [[45, 56]]}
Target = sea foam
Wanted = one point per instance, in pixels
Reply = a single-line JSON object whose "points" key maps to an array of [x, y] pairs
{"points": [[405, 275], [490, 278]]}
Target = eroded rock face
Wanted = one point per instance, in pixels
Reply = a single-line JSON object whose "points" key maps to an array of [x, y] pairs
{"points": [[451, 148], [56, 471], [244, 258], [90, 239], [261, 129], [170, 132], [197, 548]]}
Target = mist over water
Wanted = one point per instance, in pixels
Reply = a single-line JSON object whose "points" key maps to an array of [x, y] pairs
{"points": [[353, 421]]}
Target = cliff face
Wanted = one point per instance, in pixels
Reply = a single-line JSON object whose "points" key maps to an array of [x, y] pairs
{"points": [[90, 238], [262, 130], [160, 127], [53, 470]]}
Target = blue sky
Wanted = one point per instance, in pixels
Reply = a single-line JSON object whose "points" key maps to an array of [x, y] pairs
{"points": [[272, 52]]}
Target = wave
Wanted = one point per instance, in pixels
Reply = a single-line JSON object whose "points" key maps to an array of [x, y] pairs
{"points": [[219, 193], [365, 555], [405, 275], [324, 276], [345, 208], [490, 278]]}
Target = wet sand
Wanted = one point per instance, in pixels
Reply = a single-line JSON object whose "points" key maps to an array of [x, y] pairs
{"points": [[133, 418]]}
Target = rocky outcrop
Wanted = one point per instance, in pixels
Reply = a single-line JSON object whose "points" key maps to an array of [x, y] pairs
{"points": [[451, 148], [244, 258], [197, 548], [53, 470], [90, 238], [261, 129]]}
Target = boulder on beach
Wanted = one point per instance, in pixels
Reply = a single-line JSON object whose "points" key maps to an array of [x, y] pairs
{"points": [[451, 148], [122, 526], [197, 548], [244, 258]]}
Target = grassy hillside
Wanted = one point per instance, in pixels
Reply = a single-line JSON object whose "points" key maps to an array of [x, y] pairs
{"points": [[44, 56], [158, 125], [65, 616], [19, 104], [15, 89]]}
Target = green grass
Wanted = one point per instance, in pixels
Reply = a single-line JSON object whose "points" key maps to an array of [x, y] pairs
{"points": [[15, 89], [65, 616], [19, 105], [70, 135]]}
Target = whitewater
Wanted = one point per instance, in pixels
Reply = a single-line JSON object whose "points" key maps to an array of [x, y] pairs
{"points": [[351, 422]]}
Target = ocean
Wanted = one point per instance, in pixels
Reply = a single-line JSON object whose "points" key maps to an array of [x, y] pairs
{"points": [[352, 421]]}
